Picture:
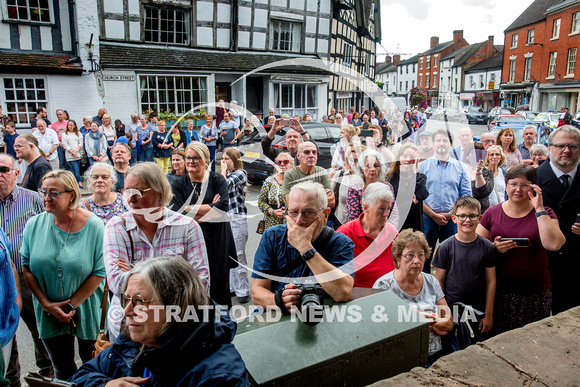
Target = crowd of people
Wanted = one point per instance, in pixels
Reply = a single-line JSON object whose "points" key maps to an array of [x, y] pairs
{"points": [[484, 224]]}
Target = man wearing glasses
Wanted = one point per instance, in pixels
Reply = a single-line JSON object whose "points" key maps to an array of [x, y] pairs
{"points": [[17, 206], [560, 184], [304, 247]]}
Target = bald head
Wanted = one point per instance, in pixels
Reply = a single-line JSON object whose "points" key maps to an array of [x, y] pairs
{"points": [[487, 139]]}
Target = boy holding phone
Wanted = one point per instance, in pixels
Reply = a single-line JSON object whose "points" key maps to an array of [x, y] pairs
{"points": [[465, 263]]}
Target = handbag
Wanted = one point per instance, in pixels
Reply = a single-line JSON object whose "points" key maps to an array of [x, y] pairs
{"points": [[261, 226]]}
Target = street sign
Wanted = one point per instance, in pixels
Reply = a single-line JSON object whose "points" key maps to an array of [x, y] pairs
{"points": [[491, 85]]}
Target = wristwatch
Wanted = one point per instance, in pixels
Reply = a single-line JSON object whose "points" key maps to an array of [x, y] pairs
{"points": [[308, 254], [538, 214]]}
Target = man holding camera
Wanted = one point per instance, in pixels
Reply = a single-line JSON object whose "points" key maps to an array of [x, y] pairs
{"points": [[302, 248]]}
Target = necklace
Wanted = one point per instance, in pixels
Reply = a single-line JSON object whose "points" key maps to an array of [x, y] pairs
{"points": [[195, 186], [59, 271]]}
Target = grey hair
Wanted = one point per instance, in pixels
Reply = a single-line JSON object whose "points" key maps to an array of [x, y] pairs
{"points": [[311, 188], [174, 282], [112, 172], [87, 118], [533, 127], [376, 154], [152, 175], [15, 162], [539, 148], [377, 191], [134, 114], [187, 122], [571, 130]]}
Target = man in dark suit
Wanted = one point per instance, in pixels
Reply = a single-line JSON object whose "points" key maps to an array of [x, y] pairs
{"points": [[560, 183], [466, 152]]}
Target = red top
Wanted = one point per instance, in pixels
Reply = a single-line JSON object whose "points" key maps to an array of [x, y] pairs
{"points": [[373, 257]]}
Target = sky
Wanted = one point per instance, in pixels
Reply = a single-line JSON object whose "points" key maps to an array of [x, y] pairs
{"points": [[407, 25]]}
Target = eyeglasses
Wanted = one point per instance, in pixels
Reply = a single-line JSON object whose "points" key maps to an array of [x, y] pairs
{"points": [[487, 141], [18, 146], [130, 192], [411, 256], [463, 217], [5, 169], [136, 300], [308, 151], [561, 147], [193, 159], [102, 177], [52, 194], [283, 162], [308, 214], [522, 186]]}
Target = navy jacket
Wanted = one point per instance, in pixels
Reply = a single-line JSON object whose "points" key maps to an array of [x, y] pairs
{"points": [[202, 354]]}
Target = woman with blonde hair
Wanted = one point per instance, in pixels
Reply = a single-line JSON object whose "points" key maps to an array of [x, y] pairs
{"points": [[348, 134], [505, 138], [62, 257], [494, 160], [110, 132], [271, 201], [177, 168]]}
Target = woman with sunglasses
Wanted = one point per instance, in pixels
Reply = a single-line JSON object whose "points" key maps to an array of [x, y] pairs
{"points": [[177, 168], [271, 201], [146, 231], [62, 257], [203, 195], [104, 202], [209, 134]]}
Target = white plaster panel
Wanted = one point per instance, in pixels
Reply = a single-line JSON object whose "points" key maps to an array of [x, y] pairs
{"points": [[65, 26], [224, 13], [244, 39], [323, 26], [297, 4], [309, 45], [312, 6], [25, 37], [134, 8], [260, 18], [259, 41], [204, 11], [310, 25], [223, 37], [113, 6], [134, 31], [115, 29], [80, 96], [323, 46], [286, 16], [4, 35], [46, 38], [204, 36], [261, 1], [245, 16], [325, 6], [281, 3]]}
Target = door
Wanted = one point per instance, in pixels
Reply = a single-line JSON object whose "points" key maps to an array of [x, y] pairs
{"points": [[222, 91]]}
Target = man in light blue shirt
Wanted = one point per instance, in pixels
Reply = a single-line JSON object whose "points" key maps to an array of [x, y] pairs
{"points": [[447, 180], [229, 131]]}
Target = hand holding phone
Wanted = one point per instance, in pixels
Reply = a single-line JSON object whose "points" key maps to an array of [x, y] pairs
{"points": [[520, 242]]}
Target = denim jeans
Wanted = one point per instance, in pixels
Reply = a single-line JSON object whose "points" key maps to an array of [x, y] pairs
{"points": [[61, 157], [212, 149], [133, 160], [75, 167], [146, 155], [434, 233], [61, 350]]}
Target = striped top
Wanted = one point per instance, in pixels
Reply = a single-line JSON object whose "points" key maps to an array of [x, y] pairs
{"points": [[176, 235], [21, 205]]}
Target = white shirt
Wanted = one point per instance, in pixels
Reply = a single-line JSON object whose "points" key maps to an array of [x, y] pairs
{"points": [[374, 121], [46, 141], [559, 173]]}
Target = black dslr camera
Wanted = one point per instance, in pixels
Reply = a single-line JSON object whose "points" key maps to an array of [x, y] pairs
{"points": [[311, 303]]}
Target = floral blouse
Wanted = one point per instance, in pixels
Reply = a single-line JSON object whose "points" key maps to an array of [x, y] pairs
{"points": [[107, 211], [271, 197], [513, 158]]}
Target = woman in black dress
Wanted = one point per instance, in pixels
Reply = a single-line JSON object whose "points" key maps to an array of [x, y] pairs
{"points": [[410, 187], [204, 195]]}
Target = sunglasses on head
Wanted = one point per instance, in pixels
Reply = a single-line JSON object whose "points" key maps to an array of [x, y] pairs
{"points": [[283, 162]]}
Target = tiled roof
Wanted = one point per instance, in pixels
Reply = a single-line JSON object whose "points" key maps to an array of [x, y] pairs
{"points": [[563, 4], [470, 51], [411, 60], [437, 48], [38, 63], [533, 14], [139, 57], [385, 68], [495, 61], [456, 53]]}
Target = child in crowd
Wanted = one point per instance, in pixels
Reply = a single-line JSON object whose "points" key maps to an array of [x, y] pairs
{"points": [[465, 264], [9, 138]]}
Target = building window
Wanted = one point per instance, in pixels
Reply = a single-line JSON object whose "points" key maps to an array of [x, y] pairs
{"points": [[401, 85], [515, 41], [456, 71], [368, 65], [552, 64], [571, 61], [347, 58], [434, 80], [407, 69], [575, 23], [528, 69], [23, 96], [531, 34], [556, 29], [420, 80], [401, 70], [413, 84], [166, 25], [29, 10], [420, 63], [428, 62], [471, 83], [294, 99], [176, 94], [512, 70], [481, 81], [435, 60], [414, 68], [406, 85], [492, 77], [427, 80], [285, 36]]}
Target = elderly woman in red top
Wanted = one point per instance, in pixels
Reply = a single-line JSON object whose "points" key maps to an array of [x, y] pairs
{"points": [[372, 236]]}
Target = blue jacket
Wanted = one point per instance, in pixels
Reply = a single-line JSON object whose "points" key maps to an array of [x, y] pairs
{"points": [[200, 354]]}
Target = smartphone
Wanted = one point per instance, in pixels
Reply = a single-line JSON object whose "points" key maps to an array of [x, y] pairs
{"points": [[366, 133], [67, 308], [285, 122], [577, 218], [520, 242]]}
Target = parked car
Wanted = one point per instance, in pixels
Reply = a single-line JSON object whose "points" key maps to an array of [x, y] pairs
{"points": [[493, 113], [508, 120], [529, 115], [542, 133], [259, 167], [448, 114], [548, 119], [429, 111], [475, 115]]}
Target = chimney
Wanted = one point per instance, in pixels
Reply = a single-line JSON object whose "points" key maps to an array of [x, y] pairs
{"points": [[388, 59], [434, 41], [457, 36], [490, 47], [396, 59]]}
